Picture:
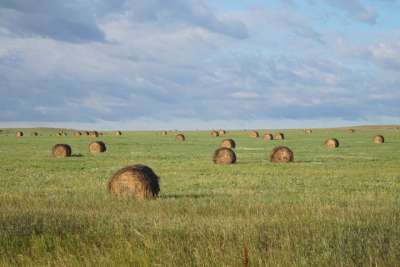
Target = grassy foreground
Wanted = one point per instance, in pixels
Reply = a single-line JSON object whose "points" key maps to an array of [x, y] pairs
{"points": [[328, 208]]}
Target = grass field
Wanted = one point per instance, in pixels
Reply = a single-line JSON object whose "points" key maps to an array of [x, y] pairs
{"points": [[328, 208]]}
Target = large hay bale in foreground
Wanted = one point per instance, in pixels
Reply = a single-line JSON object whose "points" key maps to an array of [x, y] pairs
{"points": [[378, 139], [19, 134], [118, 133], [61, 151], [137, 181], [254, 134], [224, 155], [214, 133], [281, 154], [331, 143], [228, 143], [180, 137], [268, 137], [97, 147], [279, 136]]}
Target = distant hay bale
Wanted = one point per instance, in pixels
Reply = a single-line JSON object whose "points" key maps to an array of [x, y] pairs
{"points": [[268, 137], [101, 133], [97, 147], [60, 133], [222, 132], [180, 137], [279, 136], [214, 133], [87, 133], [308, 131], [378, 139], [281, 154], [19, 134], [228, 143], [118, 133], [351, 130], [61, 151], [94, 134], [137, 181], [77, 133], [164, 133], [254, 134], [35, 134], [331, 143], [224, 155]]}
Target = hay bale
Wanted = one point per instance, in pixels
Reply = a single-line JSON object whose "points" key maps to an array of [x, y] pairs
{"points": [[118, 133], [97, 147], [137, 181], [164, 133], [87, 133], [94, 134], [19, 134], [224, 155], [214, 133], [228, 143], [61, 151], [254, 134], [308, 131], [35, 134], [279, 136], [222, 132], [77, 133], [281, 154], [351, 130], [378, 139], [268, 137], [180, 137], [60, 134], [331, 143]]}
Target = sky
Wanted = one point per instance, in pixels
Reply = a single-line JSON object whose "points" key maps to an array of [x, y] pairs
{"points": [[199, 64]]}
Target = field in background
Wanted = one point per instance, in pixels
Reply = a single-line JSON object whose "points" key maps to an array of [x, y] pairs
{"points": [[328, 208]]}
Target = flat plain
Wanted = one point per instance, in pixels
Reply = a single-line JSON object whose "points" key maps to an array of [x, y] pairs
{"points": [[337, 207]]}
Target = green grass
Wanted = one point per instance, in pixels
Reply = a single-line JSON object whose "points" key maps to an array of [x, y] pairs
{"points": [[328, 208]]}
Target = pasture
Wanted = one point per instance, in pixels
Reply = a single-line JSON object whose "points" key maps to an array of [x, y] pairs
{"points": [[337, 207]]}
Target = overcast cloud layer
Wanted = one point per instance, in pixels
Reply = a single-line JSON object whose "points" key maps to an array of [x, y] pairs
{"points": [[199, 64]]}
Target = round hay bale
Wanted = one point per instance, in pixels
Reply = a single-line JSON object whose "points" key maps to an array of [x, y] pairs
{"points": [[19, 134], [61, 151], [35, 134], [214, 134], [60, 134], [351, 130], [222, 132], [77, 133], [254, 134], [87, 133], [164, 133], [94, 134], [268, 137], [308, 131], [279, 136], [137, 181], [224, 155], [331, 143], [281, 154], [180, 137], [97, 147], [118, 133], [378, 139], [228, 143]]}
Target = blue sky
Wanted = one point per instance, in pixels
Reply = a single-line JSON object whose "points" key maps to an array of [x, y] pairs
{"points": [[198, 64]]}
